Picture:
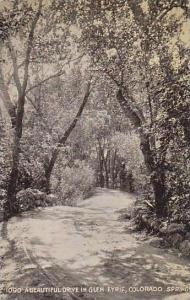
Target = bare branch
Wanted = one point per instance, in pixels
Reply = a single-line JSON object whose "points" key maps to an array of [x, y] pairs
{"points": [[66, 135], [44, 122], [78, 115], [45, 80], [58, 74], [12, 75]]}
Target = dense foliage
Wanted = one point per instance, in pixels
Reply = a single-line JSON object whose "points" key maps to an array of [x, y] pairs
{"points": [[96, 94]]}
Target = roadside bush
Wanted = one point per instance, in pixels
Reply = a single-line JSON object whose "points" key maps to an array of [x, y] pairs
{"points": [[4, 164], [32, 198], [76, 183]]}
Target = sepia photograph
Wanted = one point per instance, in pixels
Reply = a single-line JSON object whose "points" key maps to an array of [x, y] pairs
{"points": [[94, 149]]}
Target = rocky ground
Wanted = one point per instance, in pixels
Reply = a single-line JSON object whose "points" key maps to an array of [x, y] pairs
{"points": [[172, 233]]}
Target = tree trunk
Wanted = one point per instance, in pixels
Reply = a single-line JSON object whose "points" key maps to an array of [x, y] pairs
{"points": [[63, 139], [11, 207], [113, 171], [106, 168], [101, 180], [154, 167], [157, 175], [49, 169], [159, 188], [101, 177], [107, 177]]}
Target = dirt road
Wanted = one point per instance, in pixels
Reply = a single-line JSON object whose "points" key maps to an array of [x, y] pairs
{"points": [[87, 245]]}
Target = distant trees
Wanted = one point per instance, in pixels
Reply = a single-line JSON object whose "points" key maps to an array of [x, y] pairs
{"points": [[104, 138], [138, 45]]}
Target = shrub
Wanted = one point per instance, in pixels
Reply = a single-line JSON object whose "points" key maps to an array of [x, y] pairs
{"points": [[4, 163], [76, 183], [32, 198]]}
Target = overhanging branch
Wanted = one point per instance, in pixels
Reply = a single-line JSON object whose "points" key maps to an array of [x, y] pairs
{"points": [[58, 74]]}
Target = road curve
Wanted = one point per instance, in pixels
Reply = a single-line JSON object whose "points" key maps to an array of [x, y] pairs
{"points": [[88, 245]]}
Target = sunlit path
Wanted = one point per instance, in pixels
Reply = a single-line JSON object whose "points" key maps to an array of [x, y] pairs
{"points": [[91, 244]]}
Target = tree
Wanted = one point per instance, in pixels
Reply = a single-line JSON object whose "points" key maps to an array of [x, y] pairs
{"points": [[125, 45], [107, 138], [23, 73], [128, 41], [62, 140], [17, 120]]}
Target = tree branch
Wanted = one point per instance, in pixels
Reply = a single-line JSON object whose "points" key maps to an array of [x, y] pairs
{"points": [[77, 117], [122, 99], [66, 135], [12, 75], [29, 46], [58, 74], [172, 5], [45, 124], [10, 107], [15, 67], [44, 81], [128, 110]]}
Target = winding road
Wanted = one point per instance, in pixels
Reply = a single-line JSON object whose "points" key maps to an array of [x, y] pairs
{"points": [[89, 246]]}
